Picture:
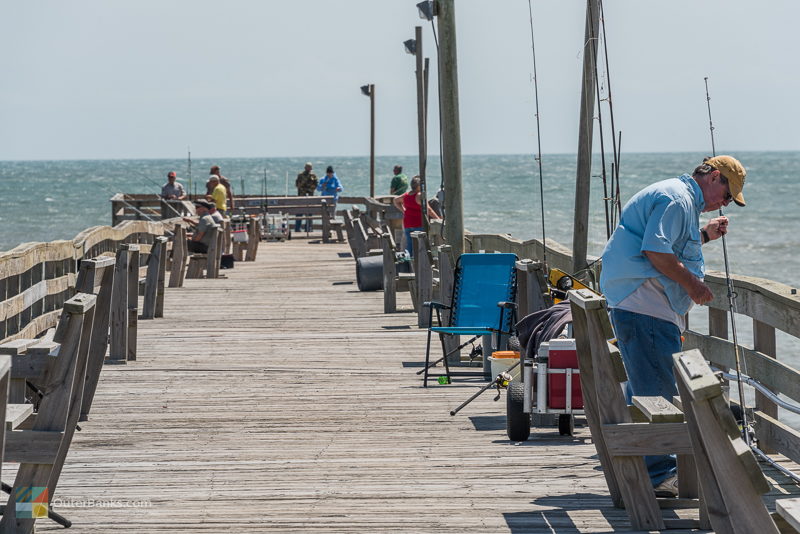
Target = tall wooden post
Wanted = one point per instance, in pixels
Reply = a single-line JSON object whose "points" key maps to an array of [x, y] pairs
{"points": [[580, 232], [451, 132], [372, 140]]}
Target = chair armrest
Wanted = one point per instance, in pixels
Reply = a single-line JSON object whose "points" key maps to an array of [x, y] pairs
{"points": [[658, 409], [436, 305], [507, 305]]}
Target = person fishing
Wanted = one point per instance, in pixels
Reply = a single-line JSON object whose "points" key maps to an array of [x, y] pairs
{"points": [[222, 181], [653, 272], [330, 186], [172, 190], [410, 204]]}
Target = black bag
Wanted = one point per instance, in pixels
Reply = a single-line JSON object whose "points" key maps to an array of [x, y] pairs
{"points": [[226, 262]]}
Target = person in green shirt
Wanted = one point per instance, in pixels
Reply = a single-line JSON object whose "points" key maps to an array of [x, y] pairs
{"points": [[399, 183]]}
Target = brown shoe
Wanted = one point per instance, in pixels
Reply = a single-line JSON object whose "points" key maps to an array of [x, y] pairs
{"points": [[668, 488]]}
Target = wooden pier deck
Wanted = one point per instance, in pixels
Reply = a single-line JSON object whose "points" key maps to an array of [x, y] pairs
{"points": [[282, 399]]}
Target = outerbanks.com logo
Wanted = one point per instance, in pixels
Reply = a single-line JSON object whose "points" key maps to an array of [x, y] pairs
{"points": [[100, 503], [31, 502]]}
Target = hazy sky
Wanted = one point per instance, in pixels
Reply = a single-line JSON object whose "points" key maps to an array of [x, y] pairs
{"points": [[146, 79]]}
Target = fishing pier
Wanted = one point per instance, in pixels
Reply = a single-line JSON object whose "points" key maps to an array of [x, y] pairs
{"points": [[277, 397]]}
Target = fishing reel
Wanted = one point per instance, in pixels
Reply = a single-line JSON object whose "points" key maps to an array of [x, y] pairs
{"points": [[476, 352], [501, 382], [561, 282]]}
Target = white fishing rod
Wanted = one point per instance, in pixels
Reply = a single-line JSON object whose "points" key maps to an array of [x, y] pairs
{"points": [[741, 366]]}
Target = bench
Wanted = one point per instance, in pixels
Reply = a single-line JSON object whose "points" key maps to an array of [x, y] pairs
{"points": [[624, 434], [41, 447], [209, 261], [393, 281], [298, 208], [730, 477]]}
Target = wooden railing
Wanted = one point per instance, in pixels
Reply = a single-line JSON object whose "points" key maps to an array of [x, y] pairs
{"points": [[37, 278], [142, 207], [771, 306]]}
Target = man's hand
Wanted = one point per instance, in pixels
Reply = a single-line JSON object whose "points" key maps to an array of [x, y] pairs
{"points": [[699, 292], [669, 266], [716, 227]]}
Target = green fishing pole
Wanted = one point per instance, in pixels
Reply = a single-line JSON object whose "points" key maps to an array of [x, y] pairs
{"points": [[740, 364]]}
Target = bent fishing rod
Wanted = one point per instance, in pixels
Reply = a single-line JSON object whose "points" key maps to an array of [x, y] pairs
{"points": [[740, 364]]}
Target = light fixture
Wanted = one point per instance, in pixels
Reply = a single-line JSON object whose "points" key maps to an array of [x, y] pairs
{"points": [[410, 46], [426, 10], [365, 90]]}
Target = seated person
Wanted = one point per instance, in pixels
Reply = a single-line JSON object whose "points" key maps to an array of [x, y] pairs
{"points": [[215, 214], [201, 238]]}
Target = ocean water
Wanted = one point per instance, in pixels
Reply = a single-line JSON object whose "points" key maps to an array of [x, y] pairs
{"points": [[48, 200]]}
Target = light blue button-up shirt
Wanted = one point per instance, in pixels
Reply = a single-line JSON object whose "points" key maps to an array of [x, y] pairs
{"points": [[663, 217]]}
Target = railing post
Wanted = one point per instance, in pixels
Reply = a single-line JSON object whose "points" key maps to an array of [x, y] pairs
{"points": [[118, 352], [531, 294], [446, 282], [326, 223], [423, 275], [178, 266], [212, 256], [253, 239], [133, 300], [162, 276], [764, 342], [389, 273], [100, 329], [152, 279], [226, 236]]}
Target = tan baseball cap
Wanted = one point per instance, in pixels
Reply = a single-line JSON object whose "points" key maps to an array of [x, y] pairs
{"points": [[734, 172]]}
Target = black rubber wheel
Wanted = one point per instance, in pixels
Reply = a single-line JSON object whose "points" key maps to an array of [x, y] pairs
{"points": [[566, 424], [518, 423]]}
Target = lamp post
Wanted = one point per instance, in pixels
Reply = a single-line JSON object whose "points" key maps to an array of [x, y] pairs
{"points": [[414, 47], [369, 90]]}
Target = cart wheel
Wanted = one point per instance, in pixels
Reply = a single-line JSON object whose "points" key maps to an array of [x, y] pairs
{"points": [[566, 424], [518, 423]]}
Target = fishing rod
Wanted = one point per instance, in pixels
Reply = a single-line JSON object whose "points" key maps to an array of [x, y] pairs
{"points": [[603, 175], [616, 148], [740, 364], [501, 381], [189, 166], [159, 197], [140, 212], [538, 134]]}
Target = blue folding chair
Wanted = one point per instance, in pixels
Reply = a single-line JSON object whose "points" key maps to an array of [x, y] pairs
{"points": [[482, 283]]}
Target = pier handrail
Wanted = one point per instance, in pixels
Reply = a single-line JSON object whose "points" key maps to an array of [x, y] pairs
{"points": [[771, 306], [37, 278]]}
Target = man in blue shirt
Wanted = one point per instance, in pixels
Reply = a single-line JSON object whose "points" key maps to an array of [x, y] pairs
{"points": [[653, 273]]}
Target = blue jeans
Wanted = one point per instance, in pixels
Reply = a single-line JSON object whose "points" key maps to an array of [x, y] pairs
{"points": [[299, 222], [409, 244], [647, 345]]}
